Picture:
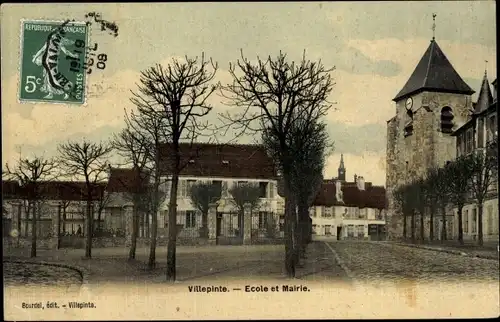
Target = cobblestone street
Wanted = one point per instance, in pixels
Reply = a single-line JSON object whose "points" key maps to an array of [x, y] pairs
{"points": [[376, 262]]}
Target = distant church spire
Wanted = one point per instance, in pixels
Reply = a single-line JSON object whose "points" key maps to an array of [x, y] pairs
{"points": [[341, 169], [485, 98], [434, 26]]}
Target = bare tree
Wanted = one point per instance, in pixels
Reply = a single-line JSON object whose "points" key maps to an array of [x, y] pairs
{"points": [[455, 178], [272, 94], [309, 143], [179, 92], [30, 173], [243, 194], [202, 195], [135, 147], [145, 130], [483, 165], [88, 160], [421, 202], [403, 196]]}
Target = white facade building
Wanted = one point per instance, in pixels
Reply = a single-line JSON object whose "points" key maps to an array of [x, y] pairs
{"points": [[349, 210]]}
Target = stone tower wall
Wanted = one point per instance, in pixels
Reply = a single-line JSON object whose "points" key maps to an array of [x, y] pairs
{"points": [[409, 157]]}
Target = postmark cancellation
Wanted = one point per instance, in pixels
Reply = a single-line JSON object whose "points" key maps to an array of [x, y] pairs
{"points": [[52, 66]]}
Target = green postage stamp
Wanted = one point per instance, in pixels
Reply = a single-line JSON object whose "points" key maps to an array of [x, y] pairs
{"points": [[53, 61]]}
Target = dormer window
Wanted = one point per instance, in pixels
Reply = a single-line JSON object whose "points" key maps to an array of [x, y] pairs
{"points": [[191, 161], [225, 162], [446, 119]]}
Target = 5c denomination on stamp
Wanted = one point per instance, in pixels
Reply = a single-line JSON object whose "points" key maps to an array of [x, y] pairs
{"points": [[52, 61]]}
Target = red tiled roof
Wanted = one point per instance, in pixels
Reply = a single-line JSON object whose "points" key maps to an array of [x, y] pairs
{"points": [[220, 160], [126, 180], [52, 190], [371, 197]]}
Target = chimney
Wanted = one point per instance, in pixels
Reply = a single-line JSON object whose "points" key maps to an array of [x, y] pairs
{"points": [[360, 182]]}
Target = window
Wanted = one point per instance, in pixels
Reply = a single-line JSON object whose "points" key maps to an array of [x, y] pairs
{"points": [[190, 219], [181, 189], [357, 213], [271, 190], [360, 230], [490, 220], [218, 184], [474, 221], [480, 133], [492, 128], [225, 190], [468, 141], [408, 129], [327, 212], [282, 223], [242, 183], [446, 119], [189, 185], [328, 229], [350, 231], [314, 227], [263, 219], [466, 222], [262, 189], [460, 144]]}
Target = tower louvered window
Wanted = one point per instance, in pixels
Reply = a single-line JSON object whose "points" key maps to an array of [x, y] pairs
{"points": [[446, 120], [408, 130]]}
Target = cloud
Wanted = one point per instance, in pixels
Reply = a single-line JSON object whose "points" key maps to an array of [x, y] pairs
{"points": [[354, 61], [357, 139], [467, 58]]}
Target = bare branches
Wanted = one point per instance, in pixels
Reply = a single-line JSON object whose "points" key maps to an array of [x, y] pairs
{"points": [[277, 91], [86, 159], [179, 92]]}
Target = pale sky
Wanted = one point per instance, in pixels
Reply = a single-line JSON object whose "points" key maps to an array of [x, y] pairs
{"points": [[374, 46]]}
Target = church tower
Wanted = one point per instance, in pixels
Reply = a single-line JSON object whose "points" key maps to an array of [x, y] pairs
{"points": [[341, 169], [431, 105]]}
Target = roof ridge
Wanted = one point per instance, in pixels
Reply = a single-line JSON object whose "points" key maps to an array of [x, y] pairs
{"points": [[428, 63]]}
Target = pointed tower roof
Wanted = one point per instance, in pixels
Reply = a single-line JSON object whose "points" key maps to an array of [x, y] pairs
{"points": [[485, 98], [434, 73], [341, 166]]}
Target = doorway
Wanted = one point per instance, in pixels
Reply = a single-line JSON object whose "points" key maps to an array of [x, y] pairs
{"points": [[339, 232]]}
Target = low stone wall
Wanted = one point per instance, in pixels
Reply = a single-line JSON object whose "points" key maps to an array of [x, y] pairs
{"points": [[45, 243], [104, 242]]}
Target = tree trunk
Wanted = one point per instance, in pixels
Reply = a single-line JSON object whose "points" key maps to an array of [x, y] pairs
{"points": [[443, 229], [241, 223], [431, 223], [460, 225], [204, 224], [405, 230], [289, 219], [413, 237], [135, 232], [302, 230], [172, 228], [480, 224], [59, 226], [422, 227], [154, 216], [99, 226], [34, 218], [64, 220], [88, 244]]}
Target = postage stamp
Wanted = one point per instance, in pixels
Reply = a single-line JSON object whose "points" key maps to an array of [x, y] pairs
{"points": [[52, 61]]}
